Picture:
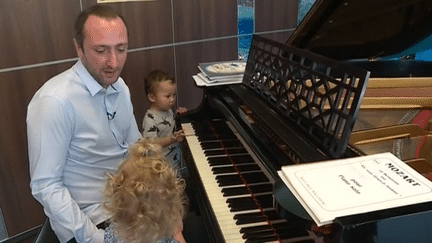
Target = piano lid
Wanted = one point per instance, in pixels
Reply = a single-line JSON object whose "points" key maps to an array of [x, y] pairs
{"points": [[365, 29]]}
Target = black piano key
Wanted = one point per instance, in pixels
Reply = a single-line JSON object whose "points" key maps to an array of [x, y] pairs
{"points": [[234, 191], [253, 229], [288, 233], [229, 143], [254, 177], [285, 229], [229, 180], [205, 126], [262, 239], [230, 151], [235, 179], [241, 204], [208, 130], [272, 236], [214, 125], [246, 218], [208, 136], [224, 160], [202, 129], [248, 203], [242, 190], [263, 233], [203, 137], [268, 215], [232, 169]]}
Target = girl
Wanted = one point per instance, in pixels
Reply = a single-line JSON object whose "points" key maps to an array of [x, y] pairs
{"points": [[145, 198]]}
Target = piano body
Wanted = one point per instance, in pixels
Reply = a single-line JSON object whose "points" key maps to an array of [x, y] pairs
{"points": [[380, 36], [295, 106]]}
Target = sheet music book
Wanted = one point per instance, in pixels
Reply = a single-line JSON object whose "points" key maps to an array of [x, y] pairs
{"points": [[331, 189], [201, 80], [218, 71]]}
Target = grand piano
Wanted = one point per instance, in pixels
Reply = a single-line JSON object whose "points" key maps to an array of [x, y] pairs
{"points": [[340, 87]]}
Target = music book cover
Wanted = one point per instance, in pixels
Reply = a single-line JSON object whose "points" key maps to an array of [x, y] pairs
{"points": [[222, 70], [331, 189], [201, 80]]}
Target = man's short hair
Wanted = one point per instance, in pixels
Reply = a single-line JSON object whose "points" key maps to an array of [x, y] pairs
{"points": [[100, 10]]}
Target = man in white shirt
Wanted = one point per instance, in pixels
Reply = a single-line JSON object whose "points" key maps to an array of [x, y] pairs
{"points": [[80, 124]]}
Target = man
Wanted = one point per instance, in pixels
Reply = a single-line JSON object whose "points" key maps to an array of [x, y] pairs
{"points": [[80, 124]]}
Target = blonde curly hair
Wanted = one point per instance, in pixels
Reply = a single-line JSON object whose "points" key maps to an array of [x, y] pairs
{"points": [[145, 197]]}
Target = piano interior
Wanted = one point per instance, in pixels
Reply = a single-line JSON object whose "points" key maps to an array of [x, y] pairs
{"points": [[395, 117], [308, 100]]}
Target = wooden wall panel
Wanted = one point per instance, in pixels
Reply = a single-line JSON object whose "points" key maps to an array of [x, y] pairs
{"points": [[188, 56], [198, 19], [149, 22], [20, 210], [271, 15], [36, 31]]}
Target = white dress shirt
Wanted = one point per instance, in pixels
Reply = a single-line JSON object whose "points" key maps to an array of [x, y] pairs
{"points": [[77, 131]]}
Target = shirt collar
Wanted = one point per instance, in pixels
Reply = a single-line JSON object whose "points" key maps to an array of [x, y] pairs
{"points": [[92, 85]]}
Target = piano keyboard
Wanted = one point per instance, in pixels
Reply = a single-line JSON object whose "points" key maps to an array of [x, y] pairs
{"points": [[239, 192]]}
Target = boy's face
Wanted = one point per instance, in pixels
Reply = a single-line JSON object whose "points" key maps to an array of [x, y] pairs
{"points": [[165, 96]]}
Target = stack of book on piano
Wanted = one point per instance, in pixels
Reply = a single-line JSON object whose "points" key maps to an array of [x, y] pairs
{"points": [[220, 73], [331, 189]]}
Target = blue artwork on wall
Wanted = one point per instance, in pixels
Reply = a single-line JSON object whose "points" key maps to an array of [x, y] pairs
{"points": [[303, 8], [246, 27]]}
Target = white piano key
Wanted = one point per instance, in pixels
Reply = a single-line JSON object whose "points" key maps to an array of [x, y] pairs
{"points": [[230, 231]]}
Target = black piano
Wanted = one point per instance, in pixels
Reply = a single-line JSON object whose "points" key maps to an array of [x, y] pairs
{"points": [[298, 103]]}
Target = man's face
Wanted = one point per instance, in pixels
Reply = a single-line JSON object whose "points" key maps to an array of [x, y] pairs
{"points": [[104, 49]]}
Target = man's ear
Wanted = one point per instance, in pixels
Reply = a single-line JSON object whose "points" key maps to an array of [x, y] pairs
{"points": [[78, 49], [151, 97]]}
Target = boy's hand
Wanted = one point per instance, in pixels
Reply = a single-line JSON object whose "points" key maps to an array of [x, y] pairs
{"points": [[178, 136], [181, 110]]}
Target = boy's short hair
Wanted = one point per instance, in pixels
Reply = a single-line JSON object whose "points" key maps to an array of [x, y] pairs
{"points": [[145, 197], [154, 78]]}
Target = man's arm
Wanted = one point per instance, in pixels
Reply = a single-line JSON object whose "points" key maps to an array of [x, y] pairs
{"points": [[133, 132], [50, 130]]}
